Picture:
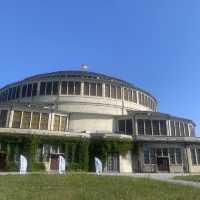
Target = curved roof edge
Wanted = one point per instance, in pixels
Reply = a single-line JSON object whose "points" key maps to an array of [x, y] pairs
{"points": [[79, 72]]}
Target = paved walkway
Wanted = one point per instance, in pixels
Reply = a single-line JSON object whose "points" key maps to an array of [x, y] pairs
{"points": [[169, 177]]}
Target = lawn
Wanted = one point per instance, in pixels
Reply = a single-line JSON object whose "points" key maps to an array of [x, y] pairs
{"points": [[195, 178], [90, 187]]}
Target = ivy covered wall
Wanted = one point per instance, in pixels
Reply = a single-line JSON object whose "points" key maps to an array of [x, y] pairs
{"points": [[79, 153]]}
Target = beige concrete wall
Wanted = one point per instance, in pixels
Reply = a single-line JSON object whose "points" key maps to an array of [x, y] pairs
{"points": [[176, 168], [125, 162]]}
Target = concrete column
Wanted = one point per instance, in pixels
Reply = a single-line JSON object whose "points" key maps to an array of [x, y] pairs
{"points": [[82, 88], [104, 89]]}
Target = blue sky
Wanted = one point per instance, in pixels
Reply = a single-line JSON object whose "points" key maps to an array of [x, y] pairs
{"points": [[154, 44]]}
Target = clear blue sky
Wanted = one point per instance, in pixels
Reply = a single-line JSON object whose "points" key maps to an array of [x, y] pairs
{"points": [[154, 44]]}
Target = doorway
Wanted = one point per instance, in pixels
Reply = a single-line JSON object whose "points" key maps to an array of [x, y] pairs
{"points": [[113, 162], [163, 164]]}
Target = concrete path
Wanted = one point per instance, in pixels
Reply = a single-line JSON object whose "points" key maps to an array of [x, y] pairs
{"points": [[168, 177]]}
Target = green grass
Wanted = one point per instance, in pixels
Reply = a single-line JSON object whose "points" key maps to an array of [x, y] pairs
{"points": [[195, 178], [90, 187]]}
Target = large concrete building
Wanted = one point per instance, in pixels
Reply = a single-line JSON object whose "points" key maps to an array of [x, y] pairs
{"points": [[85, 105]]}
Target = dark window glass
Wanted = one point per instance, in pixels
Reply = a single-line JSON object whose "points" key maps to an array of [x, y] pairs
{"points": [[18, 92], [198, 156], [163, 127], [193, 154], [119, 93], [178, 156], [86, 88], [130, 95], [186, 130], [172, 128], [34, 90], [64, 87], [24, 88], [99, 89], [14, 90], [148, 127], [165, 152], [55, 87], [177, 128], [92, 89], [70, 88], [29, 90], [146, 156], [140, 126], [129, 127], [77, 88], [140, 98], [182, 129], [9, 93], [172, 156], [42, 88], [49, 88], [113, 92], [107, 90], [155, 127], [134, 96], [125, 94], [159, 152], [121, 124], [3, 118], [153, 156], [143, 99], [146, 101]]}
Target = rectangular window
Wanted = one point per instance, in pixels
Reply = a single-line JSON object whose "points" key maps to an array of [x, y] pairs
{"points": [[48, 88], [119, 93], [121, 125], [16, 119], [35, 120], [130, 95], [70, 88], [146, 156], [29, 90], [24, 88], [64, 87], [172, 156], [93, 89], [39, 153], [178, 156], [140, 98], [140, 126], [42, 88], [63, 125], [193, 154], [18, 92], [148, 128], [34, 90], [146, 101], [56, 124], [14, 92], [143, 99], [153, 156], [134, 96], [155, 127], [173, 133], [159, 152], [125, 94], [46, 150], [129, 127], [186, 130], [26, 120], [192, 131], [44, 121], [77, 88], [165, 151], [107, 90], [86, 88], [182, 129], [163, 127], [177, 128], [3, 118], [113, 92], [10, 94], [99, 89], [198, 156], [55, 87]]}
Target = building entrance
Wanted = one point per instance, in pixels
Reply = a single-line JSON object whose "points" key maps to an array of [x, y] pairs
{"points": [[163, 164], [113, 162]]}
